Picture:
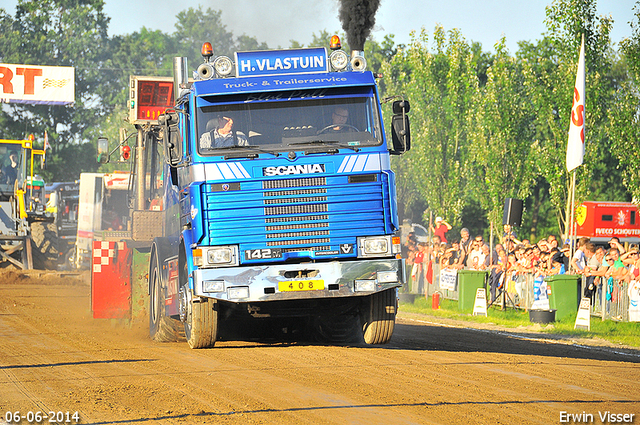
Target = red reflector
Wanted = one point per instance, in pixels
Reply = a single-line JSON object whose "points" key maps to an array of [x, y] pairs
{"points": [[126, 152]]}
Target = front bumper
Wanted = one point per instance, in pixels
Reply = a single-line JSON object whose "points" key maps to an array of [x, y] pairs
{"points": [[291, 281]]}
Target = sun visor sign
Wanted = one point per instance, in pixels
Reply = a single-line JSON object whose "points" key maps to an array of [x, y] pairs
{"points": [[281, 62]]}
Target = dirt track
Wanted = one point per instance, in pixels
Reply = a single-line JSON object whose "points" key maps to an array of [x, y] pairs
{"points": [[55, 357]]}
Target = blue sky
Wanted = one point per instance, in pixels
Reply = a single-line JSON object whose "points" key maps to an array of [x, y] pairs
{"points": [[277, 22]]}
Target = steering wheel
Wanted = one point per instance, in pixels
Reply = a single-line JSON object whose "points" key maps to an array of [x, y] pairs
{"points": [[336, 125]]}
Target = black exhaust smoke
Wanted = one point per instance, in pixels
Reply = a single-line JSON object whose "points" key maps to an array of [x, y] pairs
{"points": [[357, 18]]}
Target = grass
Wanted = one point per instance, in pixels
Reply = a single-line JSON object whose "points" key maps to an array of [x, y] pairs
{"points": [[627, 333]]}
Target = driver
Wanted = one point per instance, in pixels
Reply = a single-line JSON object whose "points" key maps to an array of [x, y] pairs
{"points": [[339, 119], [10, 171], [220, 131]]}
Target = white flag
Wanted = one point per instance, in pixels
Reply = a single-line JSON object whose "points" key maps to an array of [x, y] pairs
{"points": [[575, 145], [46, 141]]}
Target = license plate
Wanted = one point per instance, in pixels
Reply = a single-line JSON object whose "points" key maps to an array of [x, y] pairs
{"points": [[301, 285]]}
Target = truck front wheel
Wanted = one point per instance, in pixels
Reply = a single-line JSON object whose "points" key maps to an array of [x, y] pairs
{"points": [[201, 324], [200, 315], [378, 316], [161, 327]]}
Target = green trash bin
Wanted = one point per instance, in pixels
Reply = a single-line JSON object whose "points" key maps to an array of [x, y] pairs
{"points": [[564, 294], [468, 283]]}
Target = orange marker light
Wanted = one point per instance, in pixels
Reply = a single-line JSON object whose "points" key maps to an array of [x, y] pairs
{"points": [[335, 43], [207, 50]]}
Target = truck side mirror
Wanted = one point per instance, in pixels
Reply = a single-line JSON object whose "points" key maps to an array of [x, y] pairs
{"points": [[400, 131], [103, 150], [171, 137]]}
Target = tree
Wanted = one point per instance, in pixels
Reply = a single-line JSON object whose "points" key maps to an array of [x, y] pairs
{"points": [[625, 112], [196, 26], [550, 70], [57, 33], [501, 136], [441, 87]]}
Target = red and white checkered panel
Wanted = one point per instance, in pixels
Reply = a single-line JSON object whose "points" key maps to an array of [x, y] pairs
{"points": [[103, 254], [111, 280]]}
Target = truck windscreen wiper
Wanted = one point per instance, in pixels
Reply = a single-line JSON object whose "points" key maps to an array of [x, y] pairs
{"points": [[250, 147], [326, 142]]}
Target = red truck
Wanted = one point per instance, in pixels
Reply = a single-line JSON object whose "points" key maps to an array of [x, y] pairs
{"points": [[601, 221]]}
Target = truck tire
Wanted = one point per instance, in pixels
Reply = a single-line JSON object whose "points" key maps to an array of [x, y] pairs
{"points": [[201, 324], [200, 315], [161, 327], [44, 243], [378, 316]]}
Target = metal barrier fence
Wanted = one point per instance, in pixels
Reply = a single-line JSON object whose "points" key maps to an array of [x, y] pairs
{"points": [[611, 299]]}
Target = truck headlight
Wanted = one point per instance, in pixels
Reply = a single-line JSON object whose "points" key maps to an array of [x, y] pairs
{"points": [[378, 246], [223, 66], [237, 292], [387, 277], [221, 255], [339, 60], [364, 285], [213, 286], [216, 256]]}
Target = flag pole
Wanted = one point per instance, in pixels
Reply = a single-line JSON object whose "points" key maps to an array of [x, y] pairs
{"points": [[576, 141], [571, 226]]}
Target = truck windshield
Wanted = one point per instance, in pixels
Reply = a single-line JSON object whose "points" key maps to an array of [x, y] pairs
{"points": [[10, 165], [284, 121]]}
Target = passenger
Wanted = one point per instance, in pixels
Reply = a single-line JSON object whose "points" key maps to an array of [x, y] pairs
{"points": [[220, 134]]}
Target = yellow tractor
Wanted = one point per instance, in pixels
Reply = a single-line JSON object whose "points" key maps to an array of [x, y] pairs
{"points": [[28, 235]]}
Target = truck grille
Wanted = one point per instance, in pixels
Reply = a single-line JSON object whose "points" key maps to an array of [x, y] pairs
{"points": [[296, 209], [311, 214], [284, 183]]}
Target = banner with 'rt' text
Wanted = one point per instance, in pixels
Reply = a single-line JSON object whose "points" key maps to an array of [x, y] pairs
{"points": [[34, 84]]}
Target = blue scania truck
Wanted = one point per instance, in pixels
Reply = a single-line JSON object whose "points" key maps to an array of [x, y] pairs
{"points": [[273, 216]]}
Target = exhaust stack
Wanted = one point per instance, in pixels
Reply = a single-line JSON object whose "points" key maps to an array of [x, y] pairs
{"points": [[180, 76], [358, 62]]}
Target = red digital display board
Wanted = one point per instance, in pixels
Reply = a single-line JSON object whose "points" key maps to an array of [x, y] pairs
{"points": [[153, 98], [150, 97]]}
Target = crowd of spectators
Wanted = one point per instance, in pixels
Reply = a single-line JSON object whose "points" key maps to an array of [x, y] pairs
{"points": [[601, 265]]}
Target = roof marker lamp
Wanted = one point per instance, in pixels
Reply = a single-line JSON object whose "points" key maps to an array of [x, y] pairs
{"points": [[223, 66]]}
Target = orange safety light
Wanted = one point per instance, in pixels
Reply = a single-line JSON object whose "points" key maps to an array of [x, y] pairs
{"points": [[335, 43], [207, 50]]}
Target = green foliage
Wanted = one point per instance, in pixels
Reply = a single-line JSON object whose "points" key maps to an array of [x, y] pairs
{"points": [[375, 53], [625, 121], [57, 33], [441, 86], [484, 126], [551, 71], [194, 27], [501, 137], [487, 127]]}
